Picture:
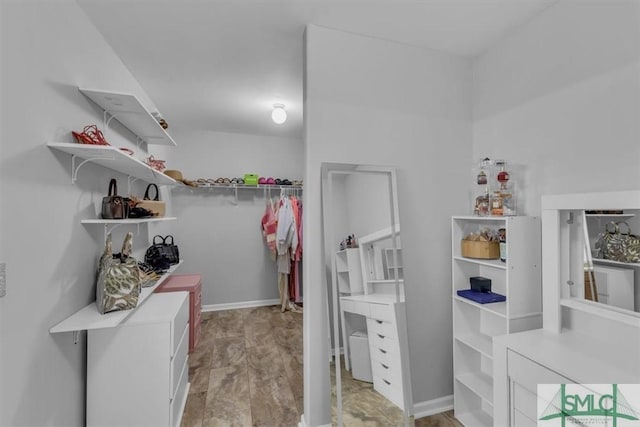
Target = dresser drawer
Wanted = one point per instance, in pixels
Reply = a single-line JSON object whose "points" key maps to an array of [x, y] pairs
{"points": [[386, 329], [389, 372], [388, 344], [390, 390], [528, 374], [382, 312], [524, 401], [197, 297], [358, 307], [179, 398], [193, 342], [385, 355], [179, 360], [179, 324]]}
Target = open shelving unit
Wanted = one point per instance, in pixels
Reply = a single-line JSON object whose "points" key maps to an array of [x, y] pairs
{"points": [[111, 158], [128, 110], [475, 325], [90, 318]]}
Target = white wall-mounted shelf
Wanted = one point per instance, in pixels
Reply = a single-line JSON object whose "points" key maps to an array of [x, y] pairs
{"points": [[111, 158], [90, 318], [128, 220], [112, 224], [129, 111], [611, 215]]}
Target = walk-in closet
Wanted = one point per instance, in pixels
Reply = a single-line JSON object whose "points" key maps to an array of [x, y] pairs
{"points": [[312, 213]]}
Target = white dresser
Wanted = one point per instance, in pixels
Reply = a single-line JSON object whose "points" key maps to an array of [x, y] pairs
{"points": [[385, 326], [583, 343], [137, 373]]}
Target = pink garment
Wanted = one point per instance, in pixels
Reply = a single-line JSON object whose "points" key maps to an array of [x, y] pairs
{"points": [[269, 227]]}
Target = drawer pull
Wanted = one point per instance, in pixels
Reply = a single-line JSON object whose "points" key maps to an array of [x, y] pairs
{"points": [[384, 366], [386, 382], [379, 322], [381, 336], [382, 351]]}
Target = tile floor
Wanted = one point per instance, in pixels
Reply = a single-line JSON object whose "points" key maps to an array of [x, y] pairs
{"points": [[247, 371]]}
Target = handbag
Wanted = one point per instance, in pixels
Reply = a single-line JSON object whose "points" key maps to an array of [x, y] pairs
{"points": [[114, 206], [162, 254], [154, 205], [118, 280], [616, 245]]}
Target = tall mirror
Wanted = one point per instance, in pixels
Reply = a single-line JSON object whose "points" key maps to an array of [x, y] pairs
{"points": [[606, 246], [363, 259]]}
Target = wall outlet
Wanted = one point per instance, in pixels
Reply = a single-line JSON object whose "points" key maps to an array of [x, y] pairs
{"points": [[3, 279]]}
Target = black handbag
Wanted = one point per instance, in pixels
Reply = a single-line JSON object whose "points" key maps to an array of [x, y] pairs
{"points": [[162, 252], [114, 206]]}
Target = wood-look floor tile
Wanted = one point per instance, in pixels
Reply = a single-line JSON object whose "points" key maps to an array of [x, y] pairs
{"points": [[293, 367], [228, 323], [272, 403], [264, 362], [199, 379], [444, 419], [258, 334], [256, 380], [194, 410], [291, 339], [228, 397], [228, 351], [202, 357]]}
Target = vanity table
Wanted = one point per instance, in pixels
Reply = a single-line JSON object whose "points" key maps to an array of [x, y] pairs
{"points": [[582, 341], [382, 307]]}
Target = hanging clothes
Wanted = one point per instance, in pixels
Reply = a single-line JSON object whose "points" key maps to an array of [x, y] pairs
{"points": [[296, 255], [269, 227], [281, 226]]}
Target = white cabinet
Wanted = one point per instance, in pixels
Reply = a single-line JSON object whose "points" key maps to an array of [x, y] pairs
{"points": [[348, 271], [581, 342], [474, 324], [137, 373]]}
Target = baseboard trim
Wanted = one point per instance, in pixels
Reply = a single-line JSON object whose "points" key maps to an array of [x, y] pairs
{"points": [[244, 304], [435, 406]]}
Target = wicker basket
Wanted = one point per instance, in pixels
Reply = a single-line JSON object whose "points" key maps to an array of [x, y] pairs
{"points": [[481, 250]]}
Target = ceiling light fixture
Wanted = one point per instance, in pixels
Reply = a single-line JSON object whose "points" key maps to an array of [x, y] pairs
{"points": [[278, 115]]}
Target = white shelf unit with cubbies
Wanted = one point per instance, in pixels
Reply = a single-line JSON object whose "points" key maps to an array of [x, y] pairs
{"points": [[349, 274], [474, 325]]}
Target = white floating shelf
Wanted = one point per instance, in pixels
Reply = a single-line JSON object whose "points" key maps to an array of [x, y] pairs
{"points": [[622, 215], [128, 220], [112, 158], [90, 318], [129, 111]]}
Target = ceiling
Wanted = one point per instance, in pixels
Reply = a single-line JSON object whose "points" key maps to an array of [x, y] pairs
{"points": [[220, 65]]}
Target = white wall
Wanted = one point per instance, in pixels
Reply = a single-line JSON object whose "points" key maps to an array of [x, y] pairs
{"points": [[223, 241], [376, 102], [48, 50], [561, 97]]}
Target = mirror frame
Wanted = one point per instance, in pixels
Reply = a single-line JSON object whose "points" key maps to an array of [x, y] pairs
{"points": [[558, 265], [328, 171]]}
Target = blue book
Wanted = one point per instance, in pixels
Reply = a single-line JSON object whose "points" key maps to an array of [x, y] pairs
{"points": [[481, 297]]}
